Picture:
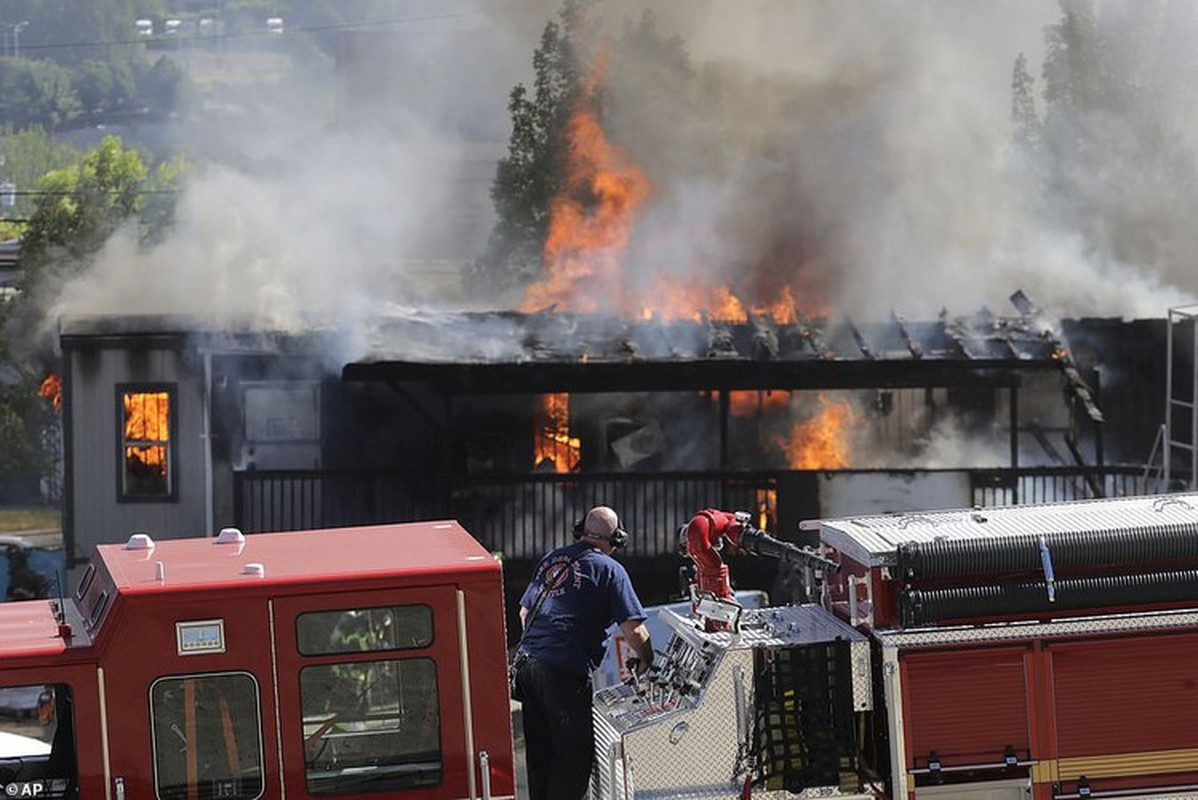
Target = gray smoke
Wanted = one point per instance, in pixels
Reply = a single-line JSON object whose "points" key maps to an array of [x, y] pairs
{"points": [[862, 151], [858, 152]]}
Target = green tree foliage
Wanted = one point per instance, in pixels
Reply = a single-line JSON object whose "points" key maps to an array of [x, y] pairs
{"points": [[82, 206], [71, 32], [101, 85], [26, 156], [78, 208], [25, 416], [36, 93], [80, 63], [162, 86]]}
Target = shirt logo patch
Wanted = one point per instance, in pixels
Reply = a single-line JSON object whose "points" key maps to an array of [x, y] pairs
{"points": [[557, 575]]}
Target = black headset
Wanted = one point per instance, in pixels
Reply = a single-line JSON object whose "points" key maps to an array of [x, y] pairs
{"points": [[618, 538]]}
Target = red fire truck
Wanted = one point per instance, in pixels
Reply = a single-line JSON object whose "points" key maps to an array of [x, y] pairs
{"points": [[307, 664], [1044, 652], [1037, 652]]}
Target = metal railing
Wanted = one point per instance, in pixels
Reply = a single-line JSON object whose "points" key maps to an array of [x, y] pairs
{"points": [[523, 515]]}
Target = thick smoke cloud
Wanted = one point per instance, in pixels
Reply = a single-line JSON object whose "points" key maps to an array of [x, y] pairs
{"points": [[860, 152], [865, 150]]}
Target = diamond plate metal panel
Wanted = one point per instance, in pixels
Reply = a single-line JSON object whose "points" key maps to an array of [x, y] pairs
{"points": [[872, 540], [1111, 623]]}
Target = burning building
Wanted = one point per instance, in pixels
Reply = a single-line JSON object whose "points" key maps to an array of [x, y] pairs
{"points": [[625, 374], [516, 422]]}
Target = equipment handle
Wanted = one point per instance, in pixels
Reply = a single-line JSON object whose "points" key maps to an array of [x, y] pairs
{"points": [[484, 766]]}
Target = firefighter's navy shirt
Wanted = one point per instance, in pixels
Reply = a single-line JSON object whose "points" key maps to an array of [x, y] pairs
{"points": [[583, 599]]}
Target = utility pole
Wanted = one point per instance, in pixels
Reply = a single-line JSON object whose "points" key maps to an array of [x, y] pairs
{"points": [[16, 38]]}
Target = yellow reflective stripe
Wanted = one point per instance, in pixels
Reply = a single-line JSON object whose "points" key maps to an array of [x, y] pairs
{"points": [[1119, 765], [1124, 764], [1045, 771]]}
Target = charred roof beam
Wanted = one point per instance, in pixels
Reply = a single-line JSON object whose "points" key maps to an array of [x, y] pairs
{"points": [[913, 346], [862, 345]]}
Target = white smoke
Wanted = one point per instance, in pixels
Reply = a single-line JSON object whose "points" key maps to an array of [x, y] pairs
{"points": [[325, 193]]}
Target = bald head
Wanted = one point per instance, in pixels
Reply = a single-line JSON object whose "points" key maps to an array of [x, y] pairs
{"points": [[601, 522]]}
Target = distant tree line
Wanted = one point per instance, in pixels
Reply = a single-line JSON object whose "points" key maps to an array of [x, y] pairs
{"points": [[65, 63]]}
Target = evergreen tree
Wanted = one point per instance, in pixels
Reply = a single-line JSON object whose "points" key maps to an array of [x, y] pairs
{"points": [[1074, 69], [531, 173], [1023, 108]]}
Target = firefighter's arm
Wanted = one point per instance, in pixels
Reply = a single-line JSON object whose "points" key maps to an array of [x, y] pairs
{"points": [[637, 636]]}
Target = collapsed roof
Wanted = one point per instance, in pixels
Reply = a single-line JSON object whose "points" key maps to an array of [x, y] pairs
{"points": [[512, 352]]}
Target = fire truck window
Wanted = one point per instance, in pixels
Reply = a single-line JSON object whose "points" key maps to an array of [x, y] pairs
{"points": [[97, 612], [364, 629], [371, 726], [207, 737], [86, 581], [146, 453], [37, 741]]}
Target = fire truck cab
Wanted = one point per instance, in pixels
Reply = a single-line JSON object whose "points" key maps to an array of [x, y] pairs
{"points": [[323, 663]]}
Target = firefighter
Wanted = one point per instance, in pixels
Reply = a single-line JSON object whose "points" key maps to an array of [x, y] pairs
{"points": [[577, 592]]}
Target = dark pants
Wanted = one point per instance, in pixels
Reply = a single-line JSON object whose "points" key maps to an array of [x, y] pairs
{"points": [[559, 737]]}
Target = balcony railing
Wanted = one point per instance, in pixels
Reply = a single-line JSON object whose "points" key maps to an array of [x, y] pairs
{"points": [[523, 515]]}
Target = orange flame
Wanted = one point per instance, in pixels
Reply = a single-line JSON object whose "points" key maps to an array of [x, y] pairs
{"points": [[822, 441], [767, 508], [553, 445], [147, 428], [590, 219], [51, 389], [748, 404], [674, 301], [590, 225]]}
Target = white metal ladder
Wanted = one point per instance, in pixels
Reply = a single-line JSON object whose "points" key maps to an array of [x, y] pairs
{"points": [[1181, 394]]}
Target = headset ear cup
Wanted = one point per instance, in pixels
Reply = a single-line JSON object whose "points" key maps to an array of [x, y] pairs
{"points": [[619, 538], [578, 528]]}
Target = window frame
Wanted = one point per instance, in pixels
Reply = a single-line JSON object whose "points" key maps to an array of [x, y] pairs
{"points": [[398, 648], [171, 390], [392, 657], [262, 754]]}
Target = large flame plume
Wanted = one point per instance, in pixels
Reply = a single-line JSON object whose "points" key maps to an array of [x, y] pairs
{"points": [[591, 222], [591, 218], [822, 441]]}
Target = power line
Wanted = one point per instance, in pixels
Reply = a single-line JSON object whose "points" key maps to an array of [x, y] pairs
{"points": [[247, 35], [34, 193]]}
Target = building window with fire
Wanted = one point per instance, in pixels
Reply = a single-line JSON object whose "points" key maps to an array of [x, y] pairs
{"points": [[146, 423]]}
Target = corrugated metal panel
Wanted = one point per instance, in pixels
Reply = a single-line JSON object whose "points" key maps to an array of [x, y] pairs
{"points": [[873, 539], [967, 706], [1126, 695]]}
